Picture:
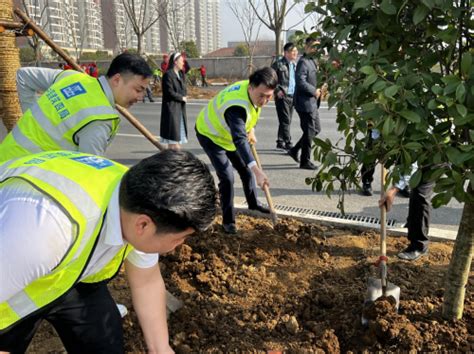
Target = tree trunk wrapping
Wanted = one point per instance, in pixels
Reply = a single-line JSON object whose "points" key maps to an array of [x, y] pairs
{"points": [[10, 110]]}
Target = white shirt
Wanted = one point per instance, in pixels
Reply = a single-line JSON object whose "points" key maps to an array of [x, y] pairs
{"points": [[95, 136], [35, 234]]}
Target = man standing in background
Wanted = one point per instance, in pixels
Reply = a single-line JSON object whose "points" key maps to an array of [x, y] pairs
{"points": [[285, 68], [306, 100]]}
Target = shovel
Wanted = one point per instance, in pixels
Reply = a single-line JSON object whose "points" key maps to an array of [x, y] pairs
{"points": [[265, 188], [376, 287]]}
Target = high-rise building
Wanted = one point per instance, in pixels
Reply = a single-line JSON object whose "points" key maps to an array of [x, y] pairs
{"points": [[72, 24], [208, 31], [177, 23]]}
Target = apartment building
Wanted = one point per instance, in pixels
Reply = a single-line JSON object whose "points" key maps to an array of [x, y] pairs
{"points": [[72, 24], [79, 25], [208, 31]]}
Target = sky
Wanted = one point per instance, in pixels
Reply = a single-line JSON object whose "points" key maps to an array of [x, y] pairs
{"points": [[231, 30]]}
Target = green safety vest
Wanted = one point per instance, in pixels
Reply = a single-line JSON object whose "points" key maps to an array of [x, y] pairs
{"points": [[72, 102], [211, 121], [82, 185]]}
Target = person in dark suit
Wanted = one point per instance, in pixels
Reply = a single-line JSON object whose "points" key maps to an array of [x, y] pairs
{"points": [[306, 101], [173, 127]]}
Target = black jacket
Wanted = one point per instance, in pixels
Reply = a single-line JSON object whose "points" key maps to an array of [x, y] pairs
{"points": [[173, 106], [305, 76], [282, 68]]}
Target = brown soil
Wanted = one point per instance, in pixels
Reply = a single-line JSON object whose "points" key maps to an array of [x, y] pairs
{"points": [[298, 288]]}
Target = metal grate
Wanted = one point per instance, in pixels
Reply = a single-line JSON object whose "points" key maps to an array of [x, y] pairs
{"points": [[359, 219]]}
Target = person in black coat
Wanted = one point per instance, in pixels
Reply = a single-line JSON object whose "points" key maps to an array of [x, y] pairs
{"points": [[173, 127], [306, 100]]}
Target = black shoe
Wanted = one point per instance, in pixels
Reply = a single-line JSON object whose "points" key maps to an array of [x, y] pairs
{"points": [[308, 166], [405, 192], [151, 100], [261, 209], [367, 189], [412, 253], [294, 155], [288, 146], [230, 229], [281, 147]]}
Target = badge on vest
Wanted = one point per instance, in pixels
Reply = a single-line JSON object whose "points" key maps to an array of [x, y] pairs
{"points": [[72, 90], [235, 88], [93, 161]]}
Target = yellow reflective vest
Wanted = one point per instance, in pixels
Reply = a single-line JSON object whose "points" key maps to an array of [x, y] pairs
{"points": [[82, 184], [71, 103], [211, 121]]}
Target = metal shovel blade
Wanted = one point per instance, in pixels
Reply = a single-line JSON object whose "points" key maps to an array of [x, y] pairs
{"points": [[374, 291]]}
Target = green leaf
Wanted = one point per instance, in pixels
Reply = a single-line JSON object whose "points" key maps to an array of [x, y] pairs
{"points": [[432, 105], [387, 7], [462, 110], [379, 85], [466, 62], [415, 179], [455, 156], [437, 90], [369, 80], [461, 93], [441, 199], [428, 3], [411, 116], [331, 158], [420, 13], [391, 91], [388, 126], [361, 4], [413, 146], [367, 70], [323, 144], [459, 120]]}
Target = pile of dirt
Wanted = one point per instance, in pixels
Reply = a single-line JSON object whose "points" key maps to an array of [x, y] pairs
{"points": [[298, 288]]}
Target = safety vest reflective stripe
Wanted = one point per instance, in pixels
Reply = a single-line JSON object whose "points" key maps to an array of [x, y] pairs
{"points": [[57, 132], [22, 304], [24, 142]]}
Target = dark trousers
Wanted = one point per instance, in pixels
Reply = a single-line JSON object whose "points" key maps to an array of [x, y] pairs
{"points": [[284, 108], [148, 94], [367, 171], [85, 318], [204, 82], [224, 163], [310, 125], [419, 214]]}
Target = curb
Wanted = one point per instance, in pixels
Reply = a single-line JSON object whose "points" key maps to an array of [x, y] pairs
{"points": [[435, 235]]}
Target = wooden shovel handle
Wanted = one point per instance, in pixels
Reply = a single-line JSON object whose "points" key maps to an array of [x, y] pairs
{"points": [[266, 189]]}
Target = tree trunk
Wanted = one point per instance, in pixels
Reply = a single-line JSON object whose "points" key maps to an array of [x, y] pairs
{"points": [[9, 63], [278, 49], [139, 44], [460, 264]]}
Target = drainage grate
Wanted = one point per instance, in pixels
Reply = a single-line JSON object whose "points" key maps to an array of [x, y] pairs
{"points": [[360, 219]]}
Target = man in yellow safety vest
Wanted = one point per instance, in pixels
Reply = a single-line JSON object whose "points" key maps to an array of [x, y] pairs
{"points": [[77, 111], [225, 128], [84, 216]]}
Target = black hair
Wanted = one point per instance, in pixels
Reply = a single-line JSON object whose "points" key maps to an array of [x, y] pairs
{"points": [[127, 63], [174, 188], [265, 76], [289, 47], [310, 40]]}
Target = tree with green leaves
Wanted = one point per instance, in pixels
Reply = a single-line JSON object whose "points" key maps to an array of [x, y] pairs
{"points": [[190, 48], [406, 67], [241, 50]]}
